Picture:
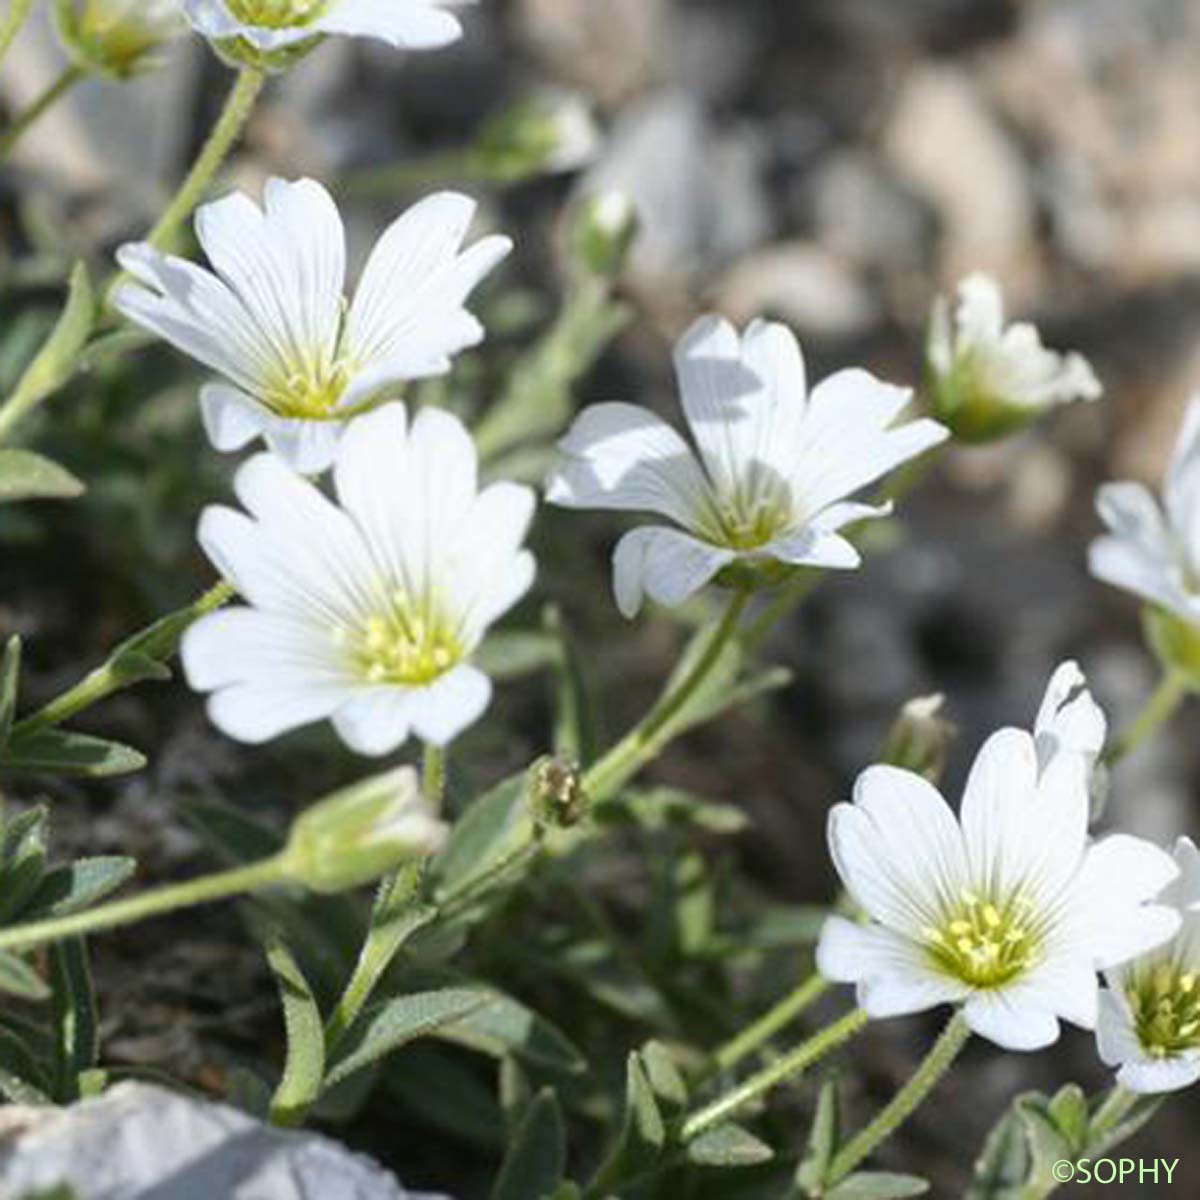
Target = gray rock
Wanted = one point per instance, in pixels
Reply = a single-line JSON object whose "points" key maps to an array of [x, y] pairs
{"points": [[139, 1142]]}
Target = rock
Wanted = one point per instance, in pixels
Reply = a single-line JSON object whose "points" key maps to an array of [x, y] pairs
{"points": [[804, 285], [144, 1142], [944, 141]]}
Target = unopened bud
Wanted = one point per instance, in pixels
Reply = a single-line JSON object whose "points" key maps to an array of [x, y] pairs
{"points": [[547, 134], [117, 37], [362, 832], [920, 738], [556, 795], [605, 227]]}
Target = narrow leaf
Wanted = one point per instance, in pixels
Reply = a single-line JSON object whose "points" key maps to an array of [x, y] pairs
{"points": [[389, 1025], [537, 1155], [18, 978], [59, 752], [304, 1065], [78, 885], [74, 1006], [728, 1146], [878, 1185], [28, 476], [10, 671], [642, 1136]]}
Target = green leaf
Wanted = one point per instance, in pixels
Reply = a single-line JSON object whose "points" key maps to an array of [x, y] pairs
{"points": [[1047, 1145], [60, 752], [658, 808], [28, 476], [728, 1146], [1068, 1110], [1003, 1167], [442, 1087], [878, 1185], [497, 825], [79, 884], [24, 861], [387, 1026], [16, 1090], [642, 1137], [74, 1016], [10, 672], [57, 360], [304, 1064], [664, 1076], [1142, 1111], [537, 1155], [18, 978], [822, 1139]]}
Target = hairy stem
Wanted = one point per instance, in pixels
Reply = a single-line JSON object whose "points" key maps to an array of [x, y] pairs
{"points": [[756, 1035], [905, 1102], [30, 115], [803, 1056]]}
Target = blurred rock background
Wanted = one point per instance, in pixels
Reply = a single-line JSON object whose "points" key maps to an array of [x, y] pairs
{"points": [[832, 163]]}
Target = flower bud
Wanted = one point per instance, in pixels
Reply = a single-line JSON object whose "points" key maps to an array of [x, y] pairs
{"points": [[920, 738], [605, 227], [984, 380], [556, 795], [362, 832], [545, 135], [1175, 642], [117, 37]]}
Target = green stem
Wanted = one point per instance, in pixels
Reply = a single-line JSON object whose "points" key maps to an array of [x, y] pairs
{"points": [[111, 677], [816, 1047], [646, 738], [1116, 1107], [433, 775], [224, 133], [770, 1023], [905, 1102], [28, 116], [1162, 704], [18, 14], [149, 904]]}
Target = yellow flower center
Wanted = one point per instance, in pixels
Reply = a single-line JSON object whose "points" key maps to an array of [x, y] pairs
{"points": [[403, 642], [1165, 1002], [311, 394], [276, 14], [984, 942]]}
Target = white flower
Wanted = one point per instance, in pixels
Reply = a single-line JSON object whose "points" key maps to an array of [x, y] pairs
{"points": [[118, 36], [774, 469], [986, 380], [274, 322], [270, 25], [1008, 911], [1153, 554], [1150, 1012], [366, 611]]}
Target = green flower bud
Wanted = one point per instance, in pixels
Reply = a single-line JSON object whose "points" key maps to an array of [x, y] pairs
{"points": [[920, 738], [1175, 642], [604, 230], [544, 135], [556, 795], [362, 832], [117, 38], [985, 380]]}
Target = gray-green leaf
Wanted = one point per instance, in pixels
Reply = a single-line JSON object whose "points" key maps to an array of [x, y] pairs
{"points": [[28, 476], [878, 1185], [728, 1146], [537, 1155], [60, 752]]}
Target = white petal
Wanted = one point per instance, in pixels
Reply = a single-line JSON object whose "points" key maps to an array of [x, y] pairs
{"points": [[441, 711], [1067, 987], [664, 564], [1069, 719], [1116, 1039], [813, 548], [307, 447], [1132, 513], [407, 307], [898, 850], [405, 24], [1155, 1076], [848, 512], [376, 720], [256, 713], [893, 975], [287, 263], [622, 457], [231, 418], [1009, 1018], [1127, 565], [980, 315]]}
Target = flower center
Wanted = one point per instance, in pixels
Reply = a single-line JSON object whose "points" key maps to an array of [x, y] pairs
{"points": [[275, 14], [403, 643], [1165, 1002], [747, 528], [311, 394], [983, 942]]}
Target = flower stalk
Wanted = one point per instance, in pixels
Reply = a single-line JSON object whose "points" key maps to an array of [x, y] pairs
{"points": [[906, 1101], [791, 1064], [47, 100], [1166, 698], [777, 1018], [18, 14]]}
